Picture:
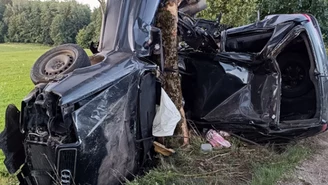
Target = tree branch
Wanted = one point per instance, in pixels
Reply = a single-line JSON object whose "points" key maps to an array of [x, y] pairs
{"points": [[102, 6]]}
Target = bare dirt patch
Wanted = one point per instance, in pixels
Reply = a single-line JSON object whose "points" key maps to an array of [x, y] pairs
{"points": [[314, 170]]}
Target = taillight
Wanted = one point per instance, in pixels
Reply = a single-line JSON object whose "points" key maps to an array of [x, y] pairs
{"points": [[324, 128]]}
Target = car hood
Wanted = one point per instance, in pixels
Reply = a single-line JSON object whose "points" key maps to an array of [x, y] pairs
{"points": [[81, 83]]}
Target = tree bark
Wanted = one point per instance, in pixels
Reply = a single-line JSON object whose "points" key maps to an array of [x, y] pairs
{"points": [[167, 21], [102, 6]]}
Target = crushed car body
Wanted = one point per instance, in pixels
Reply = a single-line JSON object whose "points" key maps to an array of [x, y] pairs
{"points": [[93, 125], [268, 81]]}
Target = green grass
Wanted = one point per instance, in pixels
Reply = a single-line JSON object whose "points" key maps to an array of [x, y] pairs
{"points": [[15, 64], [239, 165], [242, 164], [269, 172]]}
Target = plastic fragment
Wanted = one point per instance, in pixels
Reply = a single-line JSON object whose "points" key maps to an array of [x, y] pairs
{"points": [[206, 147], [216, 140], [167, 117], [224, 134]]}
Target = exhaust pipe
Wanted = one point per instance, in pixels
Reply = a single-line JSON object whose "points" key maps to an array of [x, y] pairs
{"points": [[194, 7]]}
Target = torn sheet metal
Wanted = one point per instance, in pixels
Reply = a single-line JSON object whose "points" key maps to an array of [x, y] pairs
{"points": [[11, 140], [239, 88], [98, 120], [104, 127], [82, 127]]}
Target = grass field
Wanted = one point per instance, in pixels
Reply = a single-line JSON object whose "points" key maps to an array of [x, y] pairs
{"points": [[15, 64], [249, 165]]}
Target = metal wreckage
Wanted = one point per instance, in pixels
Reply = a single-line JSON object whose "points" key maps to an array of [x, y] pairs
{"points": [[92, 124]]}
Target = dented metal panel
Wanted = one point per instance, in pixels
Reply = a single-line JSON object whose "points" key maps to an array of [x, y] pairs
{"points": [[97, 120], [128, 25]]}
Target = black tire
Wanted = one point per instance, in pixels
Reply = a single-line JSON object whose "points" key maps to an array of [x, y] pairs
{"points": [[60, 60], [300, 65]]}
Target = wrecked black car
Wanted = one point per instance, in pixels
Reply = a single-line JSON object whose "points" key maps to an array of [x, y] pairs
{"points": [[92, 124]]}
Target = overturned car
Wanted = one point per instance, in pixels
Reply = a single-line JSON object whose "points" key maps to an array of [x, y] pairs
{"points": [[92, 124]]}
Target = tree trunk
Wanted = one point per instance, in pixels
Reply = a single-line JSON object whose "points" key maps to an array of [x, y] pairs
{"points": [[102, 6], [167, 20]]}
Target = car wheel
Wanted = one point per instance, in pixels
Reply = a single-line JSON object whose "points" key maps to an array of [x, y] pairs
{"points": [[295, 75], [57, 61]]}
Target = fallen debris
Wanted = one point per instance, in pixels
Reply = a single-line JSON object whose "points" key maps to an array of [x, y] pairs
{"points": [[206, 147], [216, 140], [166, 118], [161, 149], [224, 134]]}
